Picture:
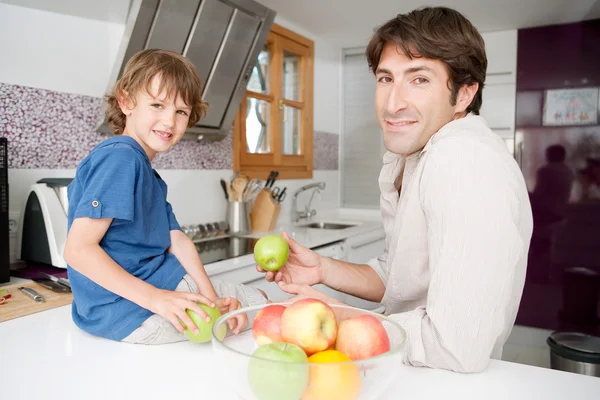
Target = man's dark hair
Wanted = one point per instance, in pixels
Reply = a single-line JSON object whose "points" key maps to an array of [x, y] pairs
{"points": [[438, 33]]}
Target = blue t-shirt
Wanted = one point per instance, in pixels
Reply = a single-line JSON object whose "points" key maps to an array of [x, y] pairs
{"points": [[117, 181]]}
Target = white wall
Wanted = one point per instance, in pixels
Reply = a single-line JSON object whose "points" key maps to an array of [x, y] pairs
{"points": [[72, 54], [196, 195], [327, 80], [59, 52], [69, 53]]}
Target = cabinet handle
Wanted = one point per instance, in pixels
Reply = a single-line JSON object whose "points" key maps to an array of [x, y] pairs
{"points": [[253, 280], [366, 242]]}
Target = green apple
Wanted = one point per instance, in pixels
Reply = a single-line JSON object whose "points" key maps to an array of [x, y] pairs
{"points": [[271, 252], [278, 371], [205, 328]]}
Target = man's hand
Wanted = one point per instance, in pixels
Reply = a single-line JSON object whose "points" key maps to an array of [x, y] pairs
{"points": [[303, 266], [229, 304]]}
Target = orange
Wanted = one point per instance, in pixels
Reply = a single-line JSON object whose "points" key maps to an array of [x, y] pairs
{"points": [[333, 381]]}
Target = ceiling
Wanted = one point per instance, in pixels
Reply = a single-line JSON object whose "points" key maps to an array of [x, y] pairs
{"points": [[349, 23], [103, 10]]}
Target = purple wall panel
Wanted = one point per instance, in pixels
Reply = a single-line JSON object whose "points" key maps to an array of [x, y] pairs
{"points": [[563, 278]]}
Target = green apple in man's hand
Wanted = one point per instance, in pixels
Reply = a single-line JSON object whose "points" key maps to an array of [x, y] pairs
{"points": [[271, 252]]}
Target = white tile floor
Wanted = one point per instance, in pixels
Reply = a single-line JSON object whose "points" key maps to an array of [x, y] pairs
{"points": [[528, 346]]}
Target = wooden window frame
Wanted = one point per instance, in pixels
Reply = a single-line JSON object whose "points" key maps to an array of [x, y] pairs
{"points": [[289, 166]]}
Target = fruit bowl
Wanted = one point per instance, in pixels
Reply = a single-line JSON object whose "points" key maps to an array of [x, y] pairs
{"points": [[290, 369]]}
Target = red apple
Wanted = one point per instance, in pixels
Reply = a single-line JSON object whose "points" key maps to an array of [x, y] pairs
{"points": [[266, 325], [362, 337], [310, 324]]}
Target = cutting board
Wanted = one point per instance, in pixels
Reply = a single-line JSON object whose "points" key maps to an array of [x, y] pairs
{"points": [[20, 304]]}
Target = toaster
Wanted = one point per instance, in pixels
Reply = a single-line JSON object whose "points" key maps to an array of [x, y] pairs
{"points": [[43, 224]]}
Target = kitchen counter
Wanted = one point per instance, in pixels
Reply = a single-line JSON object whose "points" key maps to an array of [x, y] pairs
{"points": [[363, 220], [45, 356]]}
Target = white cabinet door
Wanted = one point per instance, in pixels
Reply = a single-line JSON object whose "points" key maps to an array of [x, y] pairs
{"points": [[271, 289], [501, 52], [362, 248], [498, 107]]}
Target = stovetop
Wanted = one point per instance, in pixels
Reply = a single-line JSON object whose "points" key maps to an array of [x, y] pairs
{"points": [[223, 248]]}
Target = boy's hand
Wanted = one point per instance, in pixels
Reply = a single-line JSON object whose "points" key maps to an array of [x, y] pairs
{"points": [[228, 304], [172, 306]]}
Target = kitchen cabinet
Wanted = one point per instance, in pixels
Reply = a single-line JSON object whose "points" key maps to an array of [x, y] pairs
{"points": [[270, 288], [360, 249], [366, 246], [501, 52], [274, 125], [499, 92], [498, 107]]}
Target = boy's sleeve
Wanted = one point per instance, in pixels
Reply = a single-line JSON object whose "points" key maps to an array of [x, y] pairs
{"points": [[173, 224], [108, 184]]}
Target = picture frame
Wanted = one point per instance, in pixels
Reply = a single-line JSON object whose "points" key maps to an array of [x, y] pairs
{"points": [[567, 107]]}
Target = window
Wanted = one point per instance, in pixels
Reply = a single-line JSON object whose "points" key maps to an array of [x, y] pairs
{"points": [[274, 126], [362, 144]]}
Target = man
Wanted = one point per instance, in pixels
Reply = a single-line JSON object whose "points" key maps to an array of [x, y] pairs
{"points": [[454, 203]]}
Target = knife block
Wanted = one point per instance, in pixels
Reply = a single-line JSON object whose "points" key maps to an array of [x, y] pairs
{"points": [[265, 212]]}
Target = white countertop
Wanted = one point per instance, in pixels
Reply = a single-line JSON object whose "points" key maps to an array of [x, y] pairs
{"points": [[45, 356]]}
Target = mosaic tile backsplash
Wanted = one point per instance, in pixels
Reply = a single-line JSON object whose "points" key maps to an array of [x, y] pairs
{"points": [[47, 129]]}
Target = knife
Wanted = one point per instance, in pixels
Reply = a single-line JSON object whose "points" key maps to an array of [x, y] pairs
{"points": [[51, 285], [62, 281]]}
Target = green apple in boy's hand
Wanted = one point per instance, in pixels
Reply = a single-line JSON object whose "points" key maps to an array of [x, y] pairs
{"points": [[278, 371], [271, 252], [204, 328]]}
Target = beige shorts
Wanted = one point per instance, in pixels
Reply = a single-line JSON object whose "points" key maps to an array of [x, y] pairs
{"points": [[158, 330]]}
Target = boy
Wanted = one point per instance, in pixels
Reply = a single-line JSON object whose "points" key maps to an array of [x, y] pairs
{"points": [[133, 271]]}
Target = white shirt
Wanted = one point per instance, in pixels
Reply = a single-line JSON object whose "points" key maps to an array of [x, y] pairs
{"points": [[457, 239]]}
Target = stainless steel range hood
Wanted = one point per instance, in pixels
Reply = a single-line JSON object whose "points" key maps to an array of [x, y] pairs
{"points": [[221, 37]]}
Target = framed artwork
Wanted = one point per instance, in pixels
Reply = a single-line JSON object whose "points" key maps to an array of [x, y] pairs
{"points": [[570, 107]]}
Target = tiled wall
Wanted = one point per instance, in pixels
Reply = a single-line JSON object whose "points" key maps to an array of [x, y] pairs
{"points": [[54, 130]]}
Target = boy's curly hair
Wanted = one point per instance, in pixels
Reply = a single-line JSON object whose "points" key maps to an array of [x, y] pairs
{"points": [[178, 77]]}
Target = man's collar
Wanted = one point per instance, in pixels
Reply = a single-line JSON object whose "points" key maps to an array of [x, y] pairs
{"points": [[391, 157]]}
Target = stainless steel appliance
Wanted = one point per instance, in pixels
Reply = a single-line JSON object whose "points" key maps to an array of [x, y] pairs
{"points": [[575, 352], [223, 248], [43, 226], [222, 38], [4, 236]]}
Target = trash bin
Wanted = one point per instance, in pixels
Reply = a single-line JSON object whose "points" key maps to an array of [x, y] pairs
{"points": [[575, 352]]}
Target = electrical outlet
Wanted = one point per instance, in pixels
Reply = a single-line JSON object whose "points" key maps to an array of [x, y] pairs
{"points": [[13, 223]]}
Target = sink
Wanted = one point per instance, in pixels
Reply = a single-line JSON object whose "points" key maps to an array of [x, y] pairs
{"points": [[326, 225]]}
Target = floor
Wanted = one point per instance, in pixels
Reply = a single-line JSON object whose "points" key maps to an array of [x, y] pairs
{"points": [[527, 345]]}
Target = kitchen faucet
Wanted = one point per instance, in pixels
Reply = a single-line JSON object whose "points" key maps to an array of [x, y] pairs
{"points": [[307, 213]]}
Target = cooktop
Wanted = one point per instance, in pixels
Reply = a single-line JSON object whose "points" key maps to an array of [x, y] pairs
{"points": [[223, 248]]}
